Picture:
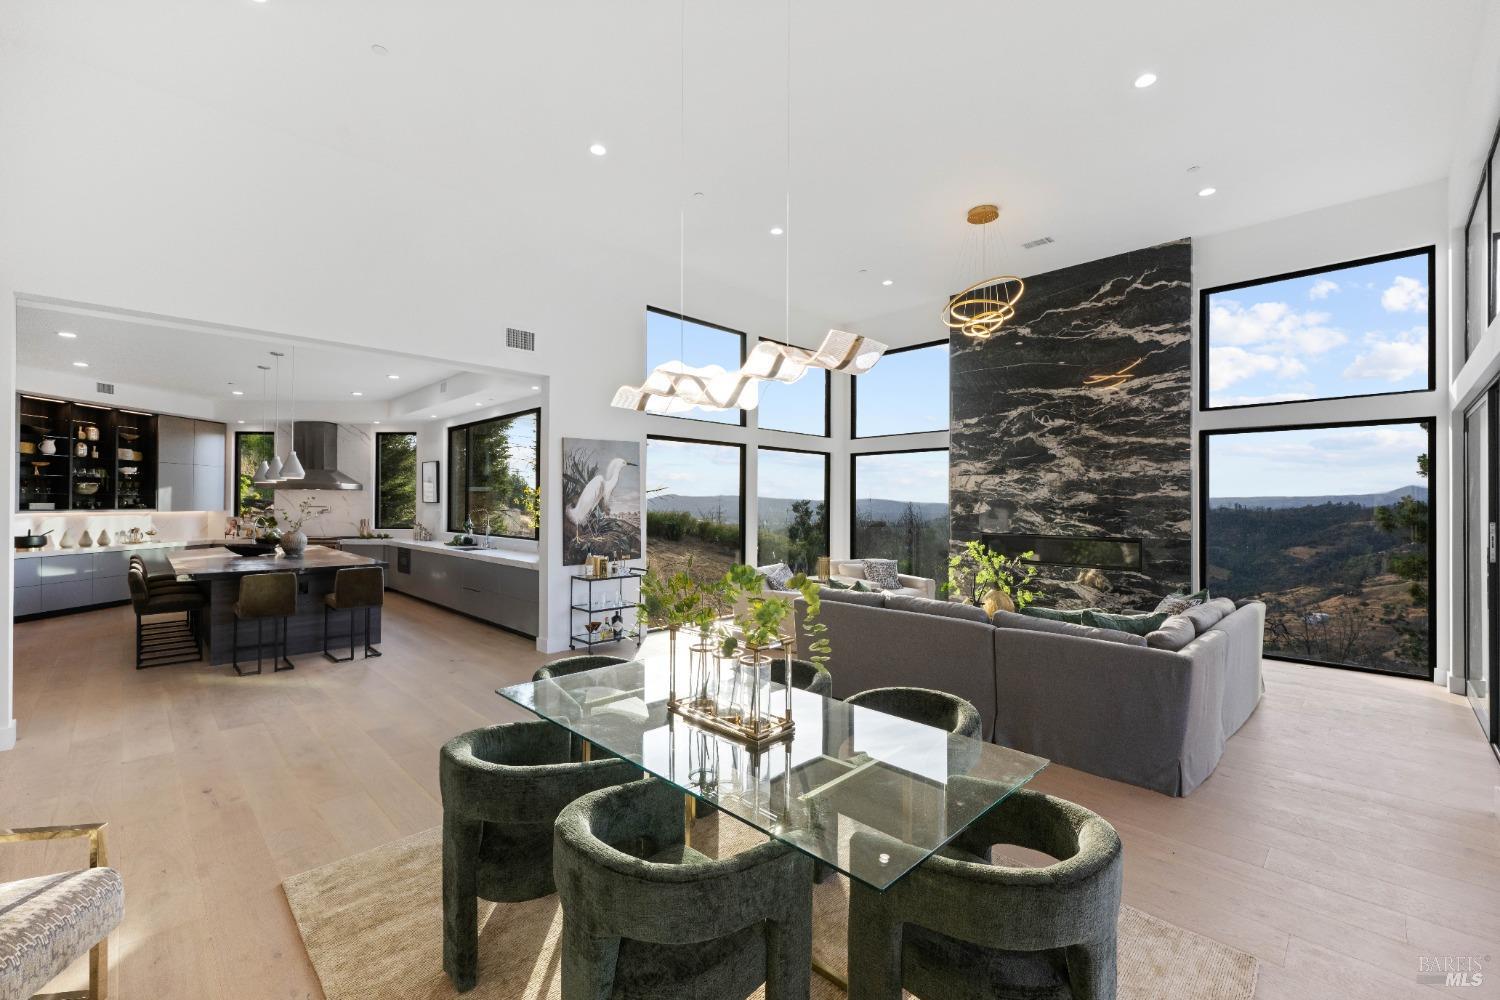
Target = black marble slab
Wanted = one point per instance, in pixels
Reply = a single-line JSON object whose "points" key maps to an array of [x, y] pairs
{"points": [[1036, 450]]}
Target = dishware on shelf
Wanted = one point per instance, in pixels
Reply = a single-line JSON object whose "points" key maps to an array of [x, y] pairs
{"points": [[81, 450], [129, 470], [28, 448], [91, 432], [86, 489], [48, 446]]}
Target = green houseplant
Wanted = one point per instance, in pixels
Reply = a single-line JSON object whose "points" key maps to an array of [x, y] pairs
{"points": [[680, 601], [981, 572]]}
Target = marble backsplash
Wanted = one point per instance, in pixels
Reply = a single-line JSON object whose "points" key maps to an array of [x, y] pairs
{"points": [[1035, 450], [178, 526]]}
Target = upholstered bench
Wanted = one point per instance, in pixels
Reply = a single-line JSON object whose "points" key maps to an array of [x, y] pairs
{"points": [[47, 922]]}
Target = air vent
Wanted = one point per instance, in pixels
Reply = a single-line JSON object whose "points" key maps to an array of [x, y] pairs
{"points": [[106, 388], [521, 340], [1033, 244]]}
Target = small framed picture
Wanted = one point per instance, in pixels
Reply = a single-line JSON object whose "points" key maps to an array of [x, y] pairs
{"points": [[430, 479]]}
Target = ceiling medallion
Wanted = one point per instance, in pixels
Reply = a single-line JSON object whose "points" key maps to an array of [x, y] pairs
{"points": [[985, 306]]}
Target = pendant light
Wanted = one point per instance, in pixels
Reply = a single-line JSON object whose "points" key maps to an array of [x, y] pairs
{"points": [[274, 473], [262, 475], [675, 386], [293, 467], [981, 309]]}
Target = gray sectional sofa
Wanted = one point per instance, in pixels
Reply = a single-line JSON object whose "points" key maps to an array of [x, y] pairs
{"points": [[1153, 711]]}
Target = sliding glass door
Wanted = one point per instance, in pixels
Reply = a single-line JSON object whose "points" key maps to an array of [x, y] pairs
{"points": [[1481, 477]]}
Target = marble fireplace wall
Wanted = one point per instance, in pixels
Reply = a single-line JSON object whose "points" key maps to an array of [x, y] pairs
{"points": [[1035, 451]]}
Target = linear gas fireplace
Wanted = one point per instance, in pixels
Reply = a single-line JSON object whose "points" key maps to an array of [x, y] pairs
{"points": [[1092, 552]]}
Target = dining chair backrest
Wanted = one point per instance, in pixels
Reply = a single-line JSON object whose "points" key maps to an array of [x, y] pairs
{"points": [[267, 595]]}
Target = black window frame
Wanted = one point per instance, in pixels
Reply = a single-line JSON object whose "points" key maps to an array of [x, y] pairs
{"points": [[1483, 195], [450, 519], [380, 479], [714, 326], [854, 434], [646, 500], [1432, 539], [854, 458], [827, 493], [1205, 332], [827, 404], [236, 476]]}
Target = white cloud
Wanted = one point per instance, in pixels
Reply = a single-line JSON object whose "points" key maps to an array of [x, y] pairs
{"points": [[1274, 325], [1228, 365], [1275, 397], [1390, 358], [1404, 295], [1322, 288]]}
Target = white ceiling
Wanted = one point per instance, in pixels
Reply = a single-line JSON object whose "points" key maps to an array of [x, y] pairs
{"points": [[200, 361], [903, 116]]}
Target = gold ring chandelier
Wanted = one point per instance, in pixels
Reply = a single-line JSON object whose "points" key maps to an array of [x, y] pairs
{"points": [[980, 310]]}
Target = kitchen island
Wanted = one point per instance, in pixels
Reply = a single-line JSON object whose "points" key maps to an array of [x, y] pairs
{"points": [[219, 571]]}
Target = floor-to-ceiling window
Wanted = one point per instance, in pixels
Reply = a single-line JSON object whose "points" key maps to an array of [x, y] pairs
{"points": [[250, 449], [1330, 526], [799, 407], [491, 465], [695, 506], [1481, 479], [792, 498], [395, 479], [906, 393], [900, 509], [699, 344]]}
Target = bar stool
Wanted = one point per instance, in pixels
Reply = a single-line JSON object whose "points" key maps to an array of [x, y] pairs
{"points": [[161, 642], [262, 596], [354, 588]]}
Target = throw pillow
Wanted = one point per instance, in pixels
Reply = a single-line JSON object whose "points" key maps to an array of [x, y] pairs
{"points": [[1205, 616], [1028, 623], [1176, 604], [777, 575], [1134, 624], [1173, 634], [834, 584], [883, 573], [847, 582], [1072, 616], [862, 587], [928, 606]]}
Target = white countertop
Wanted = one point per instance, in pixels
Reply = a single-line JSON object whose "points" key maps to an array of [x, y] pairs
{"points": [[506, 557], [77, 550]]}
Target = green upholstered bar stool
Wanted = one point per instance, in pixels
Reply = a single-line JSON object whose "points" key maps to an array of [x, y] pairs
{"points": [[958, 925], [938, 709], [354, 589], [265, 596], [164, 641], [647, 916], [502, 789]]}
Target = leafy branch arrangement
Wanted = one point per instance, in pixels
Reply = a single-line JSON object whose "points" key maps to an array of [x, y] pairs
{"points": [[307, 509], [761, 622], [979, 569], [681, 601]]}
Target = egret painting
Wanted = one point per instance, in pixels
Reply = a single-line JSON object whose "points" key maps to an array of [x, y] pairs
{"points": [[601, 499]]}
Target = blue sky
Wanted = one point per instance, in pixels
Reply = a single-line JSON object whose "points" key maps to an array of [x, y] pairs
{"points": [[1348, 332], [790, 475], [920, 476], [796, 406], [1328, 461], [671, 339], [904, 393], [690, 469]]}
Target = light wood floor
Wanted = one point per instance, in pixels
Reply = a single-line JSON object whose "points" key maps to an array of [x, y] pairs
{"points": [[1351, 827]]}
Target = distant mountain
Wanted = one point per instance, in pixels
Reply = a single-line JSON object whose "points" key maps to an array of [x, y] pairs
{"points": [[727, 508], [1385, 499]]}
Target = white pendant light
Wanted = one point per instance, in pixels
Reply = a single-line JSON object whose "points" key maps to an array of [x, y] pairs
{"points": [[262, 475], [274, 472], [293, 467]]}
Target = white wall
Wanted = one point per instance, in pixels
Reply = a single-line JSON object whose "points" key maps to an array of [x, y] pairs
{"points": [[1402, 220]]}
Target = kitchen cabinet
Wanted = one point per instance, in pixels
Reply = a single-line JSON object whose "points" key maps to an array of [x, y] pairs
{"points": [[190, 469], [67, 581], [476, 586], [117, 470]]}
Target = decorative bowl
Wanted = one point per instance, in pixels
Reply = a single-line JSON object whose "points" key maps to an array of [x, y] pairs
{"points": [[86, 489]]}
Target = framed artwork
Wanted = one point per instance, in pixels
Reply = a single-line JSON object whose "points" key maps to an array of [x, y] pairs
{"points": [[430, 477], [601, 499]]}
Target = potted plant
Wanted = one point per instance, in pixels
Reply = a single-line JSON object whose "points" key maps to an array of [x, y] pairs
{"points": [[996, 582], [293, 538], [681, 601], [762, 626]]}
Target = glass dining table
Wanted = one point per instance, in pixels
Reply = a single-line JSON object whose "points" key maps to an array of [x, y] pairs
{"points": [[842, 770]]}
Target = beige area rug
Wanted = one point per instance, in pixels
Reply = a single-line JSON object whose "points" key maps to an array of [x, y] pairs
{"points": [[372, 925]]}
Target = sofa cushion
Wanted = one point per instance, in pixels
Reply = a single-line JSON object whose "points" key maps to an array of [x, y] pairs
{"points": [[1176, 604], [1225, 605], [883, 573], [1134, 624], [1206, 616], [1173, 634], [926, 606], [854, 570], [777, 575], [1073, 616], [872, 599], [1010, 619]]}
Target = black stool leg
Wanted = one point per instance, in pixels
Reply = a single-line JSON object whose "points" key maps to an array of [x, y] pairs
{"points": [[234, 644], [282, 658], [331, 656], [369, 649]]}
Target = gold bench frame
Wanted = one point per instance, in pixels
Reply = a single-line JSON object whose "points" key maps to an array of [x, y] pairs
{"points": [[98, 858]]}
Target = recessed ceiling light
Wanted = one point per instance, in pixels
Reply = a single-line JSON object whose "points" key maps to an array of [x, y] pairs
{"points": [[393, 376], [67, 333], [80, 364], [536, 388], [1206, 192], [432, 416], [236, 392], [478, 404], [887, 281], [1144, 80], [379, 49], [598, 149], [239, 421], [777, 230], [356, 393], [377, 421]]}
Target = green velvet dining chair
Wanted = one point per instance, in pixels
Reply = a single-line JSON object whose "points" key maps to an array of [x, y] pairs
{"points": [[938, 709]]}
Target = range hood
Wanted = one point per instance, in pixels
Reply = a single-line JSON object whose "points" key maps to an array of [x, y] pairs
{"points": [[317, 445]]}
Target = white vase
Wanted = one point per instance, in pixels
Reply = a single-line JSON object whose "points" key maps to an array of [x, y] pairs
{"points": [[103, 538], [49, 446], [293, 542]]}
